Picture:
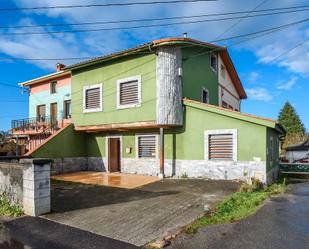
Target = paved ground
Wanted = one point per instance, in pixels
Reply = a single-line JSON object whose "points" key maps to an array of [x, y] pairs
{"points": [[136, 215], [283, 222], [37, 233], [120, 180]]}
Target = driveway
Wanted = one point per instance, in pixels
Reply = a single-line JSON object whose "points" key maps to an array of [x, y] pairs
{"points": [[138, 215], [283, 222]]}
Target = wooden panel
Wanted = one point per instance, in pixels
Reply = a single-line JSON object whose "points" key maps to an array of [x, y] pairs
{"points": [[114, 154]]}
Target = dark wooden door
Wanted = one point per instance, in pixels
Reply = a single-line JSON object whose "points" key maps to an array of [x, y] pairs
{"points": [[40, 112], [53, 112], [114, 154]]}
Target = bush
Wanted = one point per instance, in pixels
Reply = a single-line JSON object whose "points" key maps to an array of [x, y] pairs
{"points": [[7, 208]]}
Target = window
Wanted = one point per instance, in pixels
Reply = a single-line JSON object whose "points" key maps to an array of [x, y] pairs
{"points": [[40, 112], [53, 87], [205, 97], [129, 92], [93, 98], [223, 72], [146, 146], [213, 62], [67, 109], [221, 145]]}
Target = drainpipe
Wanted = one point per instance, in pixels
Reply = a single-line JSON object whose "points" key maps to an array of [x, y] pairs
{"points": [[161, 175]]}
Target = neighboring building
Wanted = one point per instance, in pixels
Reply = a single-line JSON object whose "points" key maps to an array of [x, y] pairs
{"points": [[170, 107], [298, 153], [49, 108]]}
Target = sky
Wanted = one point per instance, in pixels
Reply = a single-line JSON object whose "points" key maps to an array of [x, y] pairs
{"points": [[273, 68]]}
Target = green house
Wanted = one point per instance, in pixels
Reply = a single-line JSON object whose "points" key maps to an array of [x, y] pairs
{"points": [[170, 108]]}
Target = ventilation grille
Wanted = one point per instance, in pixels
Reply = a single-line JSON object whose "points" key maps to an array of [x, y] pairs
{"points": [[221, 147], [147, 146]]}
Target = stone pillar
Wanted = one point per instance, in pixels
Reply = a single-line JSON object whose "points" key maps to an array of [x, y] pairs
{"points": [[36, 186]]}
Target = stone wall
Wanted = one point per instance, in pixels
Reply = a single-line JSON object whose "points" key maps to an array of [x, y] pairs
{"points": [[197, 169], [68, 165], [27, 182]]}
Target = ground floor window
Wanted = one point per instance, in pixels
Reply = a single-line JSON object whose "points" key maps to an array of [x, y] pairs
{"points": [[221, 145], [147, 146]]}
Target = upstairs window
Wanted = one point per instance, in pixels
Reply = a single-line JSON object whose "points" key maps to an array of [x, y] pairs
{"points": [[93, 98], [221, 145], [53, 87], [129, 92], [205, 96], [214, 62], [146, 146]]}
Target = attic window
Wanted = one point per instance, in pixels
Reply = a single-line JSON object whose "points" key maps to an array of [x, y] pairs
{"points": [[129, 92], [53, 87], [214, 62], [93, 98]]}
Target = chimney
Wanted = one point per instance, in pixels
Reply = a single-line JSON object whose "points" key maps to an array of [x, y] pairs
{"points": [[59, 67], [185, 35]]}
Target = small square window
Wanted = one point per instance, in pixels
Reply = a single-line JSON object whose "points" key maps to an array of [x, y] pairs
{"points": [[129, 92], [53, 87], [214, 62], [93, 98], [146, 145]]}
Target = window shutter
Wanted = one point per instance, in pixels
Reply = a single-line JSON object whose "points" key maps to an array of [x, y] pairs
{"points": [[129, 92], [147, 146], [221, 147], [93, 98]]}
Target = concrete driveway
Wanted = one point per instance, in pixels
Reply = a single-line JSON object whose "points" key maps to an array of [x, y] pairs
{"points": [[283, 222], [139, 215]]}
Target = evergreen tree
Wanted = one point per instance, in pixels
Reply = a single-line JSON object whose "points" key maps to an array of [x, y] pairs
{"points": [[293, 125]]}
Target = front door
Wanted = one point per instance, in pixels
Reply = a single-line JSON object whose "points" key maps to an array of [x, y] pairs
{"points": [[114, 154], [53, 113]]}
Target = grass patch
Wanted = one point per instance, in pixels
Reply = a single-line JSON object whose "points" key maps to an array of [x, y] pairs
{"points": [[9, 209], [238, 206]]}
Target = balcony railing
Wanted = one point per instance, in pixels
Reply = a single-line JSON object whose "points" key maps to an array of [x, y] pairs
{"points": [[34, 124]]}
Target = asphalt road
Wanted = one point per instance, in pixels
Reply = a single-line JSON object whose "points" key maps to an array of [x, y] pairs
{"points": [[38, 233], [282, 223]]}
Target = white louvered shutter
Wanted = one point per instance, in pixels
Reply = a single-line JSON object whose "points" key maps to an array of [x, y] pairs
{"points": [[147, 146], [221, 147], [93, 96], [129, 93]]}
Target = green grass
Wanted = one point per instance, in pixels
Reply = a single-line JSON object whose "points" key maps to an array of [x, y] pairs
{"points": [[9, 209], [238, 206]]}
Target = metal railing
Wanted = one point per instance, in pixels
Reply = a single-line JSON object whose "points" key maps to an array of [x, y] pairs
{"points": [[34, 124]]}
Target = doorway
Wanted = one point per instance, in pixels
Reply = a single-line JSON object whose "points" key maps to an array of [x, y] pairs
{"points": [[114, 154]]}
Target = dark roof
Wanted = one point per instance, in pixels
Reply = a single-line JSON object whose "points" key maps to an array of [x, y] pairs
{"points": [[299, 147], [170, 41]]}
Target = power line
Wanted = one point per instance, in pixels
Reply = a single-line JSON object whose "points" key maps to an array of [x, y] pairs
{"points": [[161, 19], [239, 21], [9, 85], [102, 5]]}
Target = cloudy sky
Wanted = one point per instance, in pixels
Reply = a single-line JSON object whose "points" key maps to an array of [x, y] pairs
{"points": [[274, 67]]}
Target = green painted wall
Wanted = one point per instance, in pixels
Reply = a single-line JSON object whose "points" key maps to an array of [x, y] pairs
{"points": [[96, 145], [276, 145], [108, 73], [68, 143], [198, 74]]}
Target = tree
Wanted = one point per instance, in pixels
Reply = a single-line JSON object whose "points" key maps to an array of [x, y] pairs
{"points": [[289, 118]]}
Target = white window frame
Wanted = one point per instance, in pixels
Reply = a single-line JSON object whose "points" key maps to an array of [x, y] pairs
{"points": [[137, 78], [84, 98], [204, 89], [147, 135], [234, 132], [213, 69]]}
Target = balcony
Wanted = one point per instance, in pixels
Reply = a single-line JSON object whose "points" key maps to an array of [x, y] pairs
{"points": [[37, 125]]}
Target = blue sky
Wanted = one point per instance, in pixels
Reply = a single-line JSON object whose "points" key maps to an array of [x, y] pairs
{"points": [[268, 83]]}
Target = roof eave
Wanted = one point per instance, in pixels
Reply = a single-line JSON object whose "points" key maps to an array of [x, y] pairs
{"points": [[44, 78]]}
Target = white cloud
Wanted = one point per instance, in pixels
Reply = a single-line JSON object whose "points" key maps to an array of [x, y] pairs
{"points": [[253, 77], [259, 93], [288, 84]]}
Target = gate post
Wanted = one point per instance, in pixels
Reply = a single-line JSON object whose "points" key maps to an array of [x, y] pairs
{"points": [[36, 186]]}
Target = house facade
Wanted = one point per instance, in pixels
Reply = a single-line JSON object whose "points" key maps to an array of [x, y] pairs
{"points": [[49, 109], [169, 108]]}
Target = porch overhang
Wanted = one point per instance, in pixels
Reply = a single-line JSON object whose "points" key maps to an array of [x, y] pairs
{"points": [[122, 127]]}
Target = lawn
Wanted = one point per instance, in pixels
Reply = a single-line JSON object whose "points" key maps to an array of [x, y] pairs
{"points": [[238, 206]]}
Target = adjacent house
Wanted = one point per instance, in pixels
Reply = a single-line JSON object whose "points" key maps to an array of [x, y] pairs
{"points": [[49, 108], [171, 108], [298, 153]]}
